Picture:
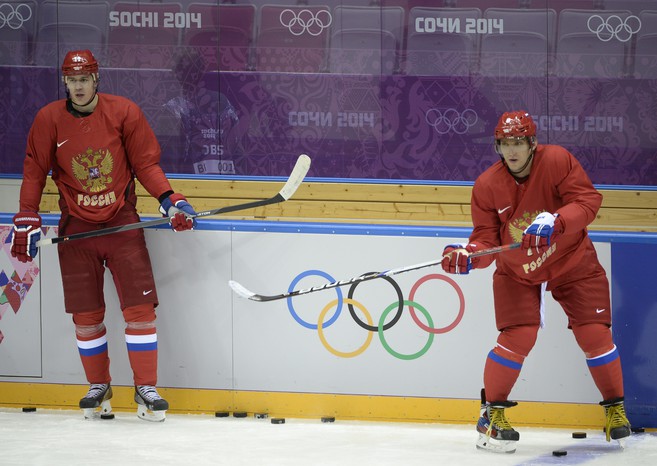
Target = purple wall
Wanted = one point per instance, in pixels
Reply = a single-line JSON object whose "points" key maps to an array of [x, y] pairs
{"points": [[400, 91]]}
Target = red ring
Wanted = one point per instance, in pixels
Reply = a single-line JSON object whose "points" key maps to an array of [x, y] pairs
{"points": [[411, 297]]}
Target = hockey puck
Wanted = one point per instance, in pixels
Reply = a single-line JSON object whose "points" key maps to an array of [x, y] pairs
{"points": [[579, 434], [261, 415], [328, 419], [638, 430], [29, 409], [107, 416], [559, 452], [278, 420], [239, 414], [221, 414]]}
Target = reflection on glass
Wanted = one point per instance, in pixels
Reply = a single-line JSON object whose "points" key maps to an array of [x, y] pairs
{"points": [[202, 120]]}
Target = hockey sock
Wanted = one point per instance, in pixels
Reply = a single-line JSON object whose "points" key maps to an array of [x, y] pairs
{"points": [[141, 340], [500, 373], [607, 373], [602, 358], [504, 362], [91, 338]]}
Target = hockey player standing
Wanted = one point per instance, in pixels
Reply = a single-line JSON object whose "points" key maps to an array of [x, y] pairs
{"points": [[96, 144], [541, 196]]}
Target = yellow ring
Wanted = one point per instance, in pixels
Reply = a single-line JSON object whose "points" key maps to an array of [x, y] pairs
{"points": [[320, 329]]}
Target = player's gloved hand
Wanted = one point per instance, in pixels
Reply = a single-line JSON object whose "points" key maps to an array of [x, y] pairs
{"points": [[536, 236], [27, 231], [456, 258], [179, 211]]}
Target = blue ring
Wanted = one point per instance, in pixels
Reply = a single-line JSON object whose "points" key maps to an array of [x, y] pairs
{"points": [[290, 289]]}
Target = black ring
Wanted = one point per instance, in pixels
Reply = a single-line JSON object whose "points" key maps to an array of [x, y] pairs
{"points": [[373, 328]]}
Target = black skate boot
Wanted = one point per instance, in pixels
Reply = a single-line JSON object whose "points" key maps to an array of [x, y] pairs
{"points": [[98, 396], [150, 405], [617, 426], [495, 432]]}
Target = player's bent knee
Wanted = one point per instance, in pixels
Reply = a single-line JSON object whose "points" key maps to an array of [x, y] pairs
{"points": [[519, 339], [593, 339], [89, 318], [141, 313]]}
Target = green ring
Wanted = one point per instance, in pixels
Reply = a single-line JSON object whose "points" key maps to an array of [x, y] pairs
{"points": [[406, 357]]}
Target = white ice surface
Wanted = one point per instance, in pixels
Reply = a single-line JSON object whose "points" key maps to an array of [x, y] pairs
{"points": [[53, 438]]}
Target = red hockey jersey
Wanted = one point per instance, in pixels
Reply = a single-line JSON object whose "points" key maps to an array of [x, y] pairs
{"points": [[502, 209], [93, 159]]}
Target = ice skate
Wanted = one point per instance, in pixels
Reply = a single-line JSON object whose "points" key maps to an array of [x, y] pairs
{"points": [[617, 426], [150, 405], [98, 396], [495, 432]]}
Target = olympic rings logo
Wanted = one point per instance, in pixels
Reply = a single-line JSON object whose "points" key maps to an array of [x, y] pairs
{"points": [[14, 17], [614, 27], [381, 326], [451, 120], [305, 21]]}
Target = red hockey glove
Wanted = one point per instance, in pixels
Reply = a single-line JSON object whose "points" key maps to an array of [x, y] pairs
{"points": [[27, 231], [456, 258], [180, 212], [538, 235]]}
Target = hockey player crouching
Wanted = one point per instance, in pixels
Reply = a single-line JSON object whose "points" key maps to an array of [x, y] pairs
{"points": [[96, 144], [541, 196]]}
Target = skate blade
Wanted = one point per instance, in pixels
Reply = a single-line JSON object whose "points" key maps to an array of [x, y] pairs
{"points": [[496, 446], [152, 416], [104, 411], [622, 442]]}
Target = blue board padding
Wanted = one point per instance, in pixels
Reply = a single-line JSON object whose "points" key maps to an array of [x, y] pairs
{"points": [[634, 306]]}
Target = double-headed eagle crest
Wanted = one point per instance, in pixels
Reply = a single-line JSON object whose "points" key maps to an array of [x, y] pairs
{"points": [[519, 225], [92, 169]]}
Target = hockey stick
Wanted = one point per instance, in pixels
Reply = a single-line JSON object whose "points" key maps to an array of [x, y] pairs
{"points": [[294, 181], [245, 293]]}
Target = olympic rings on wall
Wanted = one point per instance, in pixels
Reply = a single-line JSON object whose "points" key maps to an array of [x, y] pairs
{"points": [[382, 326], [305, 21], [14, 17], [614, 27], [451, 120]]}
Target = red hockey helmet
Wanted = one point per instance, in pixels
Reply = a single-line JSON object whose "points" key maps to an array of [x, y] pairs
{"points": [[516, 124], [77, 62]]}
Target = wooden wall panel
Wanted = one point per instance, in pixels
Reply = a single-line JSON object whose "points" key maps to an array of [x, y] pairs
{"points": [[623, 210]]}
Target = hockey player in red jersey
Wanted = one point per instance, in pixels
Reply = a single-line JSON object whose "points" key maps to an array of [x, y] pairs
{"points": [[96, 145], [540, 196]]}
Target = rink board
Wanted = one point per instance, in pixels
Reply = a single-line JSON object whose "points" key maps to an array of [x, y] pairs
{"points": [[213, 341]]}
